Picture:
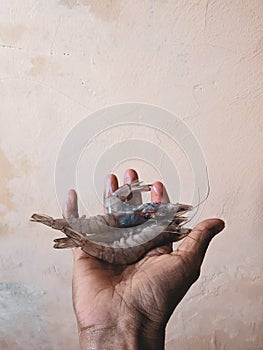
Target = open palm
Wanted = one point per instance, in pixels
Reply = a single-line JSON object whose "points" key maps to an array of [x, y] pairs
{"points": [[142, 295]]}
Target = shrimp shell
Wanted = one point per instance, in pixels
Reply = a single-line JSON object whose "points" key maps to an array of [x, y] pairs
{"points": [[126, 233]]}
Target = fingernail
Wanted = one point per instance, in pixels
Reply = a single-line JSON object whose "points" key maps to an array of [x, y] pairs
{"points": [[108, 189], [70, 197], [127, 178], [158, 190]]}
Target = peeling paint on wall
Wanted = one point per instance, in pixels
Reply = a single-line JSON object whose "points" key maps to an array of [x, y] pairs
{"points": [[7, 174], [39, 64], [12, 33], [20, 306], [102, 9]]}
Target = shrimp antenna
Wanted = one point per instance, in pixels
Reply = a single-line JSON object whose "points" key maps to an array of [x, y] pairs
{"points": [[202, 201]]}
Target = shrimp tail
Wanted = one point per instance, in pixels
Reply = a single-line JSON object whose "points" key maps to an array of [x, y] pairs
{"points": [[61, 243], [56, 224], [44, 219], [73, 239], [78, 238]]}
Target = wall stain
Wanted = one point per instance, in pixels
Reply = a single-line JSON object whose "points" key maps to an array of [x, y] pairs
{"points": [[7, 174], [20, 309], [12, 33], [24, 165], [39, 65], [107, 10], [10, 170]]}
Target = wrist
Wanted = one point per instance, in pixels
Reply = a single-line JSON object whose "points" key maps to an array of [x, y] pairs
{"points": [[123, 337]]}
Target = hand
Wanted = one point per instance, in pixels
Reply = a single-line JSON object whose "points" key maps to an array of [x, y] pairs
{"points": [[128, 307]]}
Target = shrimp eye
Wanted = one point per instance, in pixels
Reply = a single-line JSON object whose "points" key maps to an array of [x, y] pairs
{"points": [[149, 215]]}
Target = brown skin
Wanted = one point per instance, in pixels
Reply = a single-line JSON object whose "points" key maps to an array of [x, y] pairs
{"points": [[128, 307]]}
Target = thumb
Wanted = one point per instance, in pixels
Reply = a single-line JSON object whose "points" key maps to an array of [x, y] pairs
{"points": [[196, 243]]}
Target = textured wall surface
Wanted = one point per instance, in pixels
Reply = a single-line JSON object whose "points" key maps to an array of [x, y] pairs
{"points": [[61, 61]]}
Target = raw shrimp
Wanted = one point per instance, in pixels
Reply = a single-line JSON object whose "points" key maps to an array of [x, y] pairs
{"points": [[126, 232]]}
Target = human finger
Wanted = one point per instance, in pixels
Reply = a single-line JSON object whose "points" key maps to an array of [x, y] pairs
{"points": [[70, 209], [110, 185], [131, 176], [159, 193], [196, 243], [71, 205]]}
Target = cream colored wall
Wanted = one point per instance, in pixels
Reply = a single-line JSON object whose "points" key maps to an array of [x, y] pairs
{"points": [[61, 61]]}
